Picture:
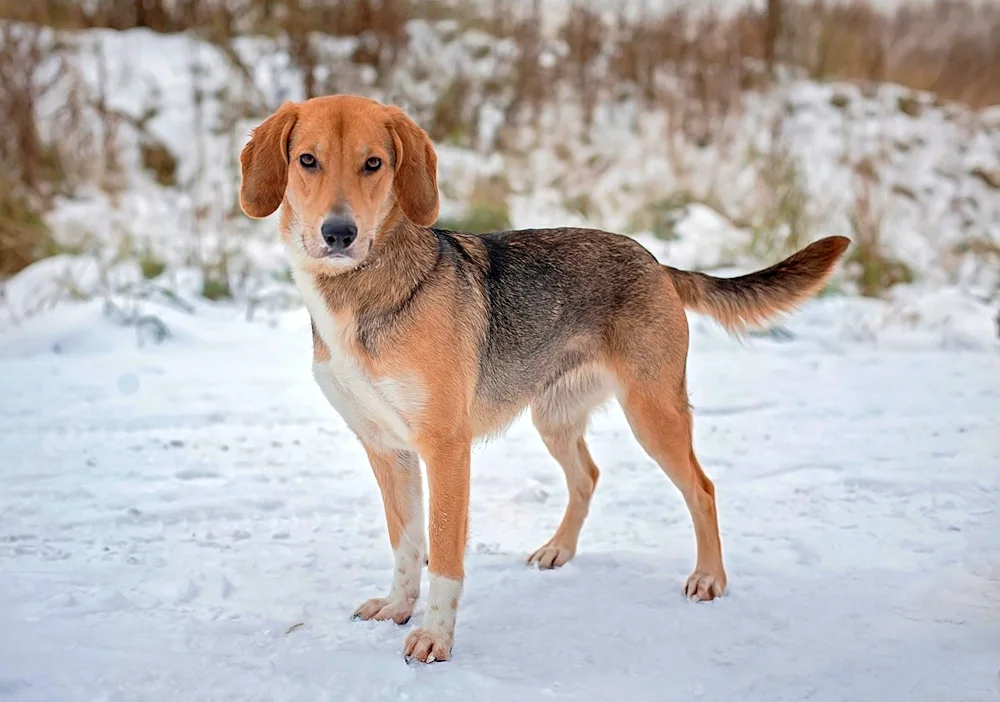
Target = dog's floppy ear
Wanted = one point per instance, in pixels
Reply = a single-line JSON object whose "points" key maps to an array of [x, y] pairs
{"points": [[415, 179], [264, 163]]}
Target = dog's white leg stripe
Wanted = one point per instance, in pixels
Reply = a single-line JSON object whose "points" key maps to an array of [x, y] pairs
{"points": [[410, 547], [409, 556], [442, 604]]}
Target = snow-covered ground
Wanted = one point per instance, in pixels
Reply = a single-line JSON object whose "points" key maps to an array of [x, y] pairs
{"points": [[190, 521]]}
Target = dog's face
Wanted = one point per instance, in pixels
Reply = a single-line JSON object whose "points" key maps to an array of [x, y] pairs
{"points": [[346, 168]]}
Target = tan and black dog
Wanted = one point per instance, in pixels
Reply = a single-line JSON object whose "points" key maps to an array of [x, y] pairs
{"points": [[425, 340]]}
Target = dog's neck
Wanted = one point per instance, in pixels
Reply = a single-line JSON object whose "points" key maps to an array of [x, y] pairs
{"points": [[398, 263]]}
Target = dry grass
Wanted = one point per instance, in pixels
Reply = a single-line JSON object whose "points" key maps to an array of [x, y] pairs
{"points": [[23, 234], [950, 47], [875, 269], [380, 24], [27, 162], [36, 168], [20, 143]]}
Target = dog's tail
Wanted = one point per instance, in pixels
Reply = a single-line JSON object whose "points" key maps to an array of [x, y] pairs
{"points": [[752, 299]]}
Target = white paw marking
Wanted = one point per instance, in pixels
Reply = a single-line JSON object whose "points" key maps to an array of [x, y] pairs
{"points": [[433, 641]]}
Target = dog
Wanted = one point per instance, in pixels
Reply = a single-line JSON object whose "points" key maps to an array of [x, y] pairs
{"points": [[426, 340]]}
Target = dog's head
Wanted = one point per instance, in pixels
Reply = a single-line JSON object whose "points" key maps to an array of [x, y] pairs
{"points": [[347, 169]]}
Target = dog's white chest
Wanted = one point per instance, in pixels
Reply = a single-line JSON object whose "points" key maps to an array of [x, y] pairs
{"points": [[374, 408]]}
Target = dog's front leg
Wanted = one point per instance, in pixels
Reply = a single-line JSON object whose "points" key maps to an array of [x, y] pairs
{"points": [[447, 457], [398, 476]]}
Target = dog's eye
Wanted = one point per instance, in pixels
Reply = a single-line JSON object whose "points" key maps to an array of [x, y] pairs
{"points": [[307, 161], [373, 164]]}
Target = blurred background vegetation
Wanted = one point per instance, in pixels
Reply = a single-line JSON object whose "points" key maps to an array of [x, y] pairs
{"points": [[611, 50]]}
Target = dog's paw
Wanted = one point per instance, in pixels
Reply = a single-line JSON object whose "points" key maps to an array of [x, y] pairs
{"points": [[551, 556], [383, 609], [427, 645], [705, 586]]}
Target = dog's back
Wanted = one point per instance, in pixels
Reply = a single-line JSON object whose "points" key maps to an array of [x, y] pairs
{"points": [[552, 297]]}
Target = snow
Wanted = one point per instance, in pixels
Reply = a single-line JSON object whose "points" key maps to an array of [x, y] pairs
{"points": [[190, 520]]}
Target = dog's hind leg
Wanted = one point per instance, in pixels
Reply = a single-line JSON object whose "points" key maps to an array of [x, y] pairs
{"points": [[560, 415], [567, 446], [660, 418]]}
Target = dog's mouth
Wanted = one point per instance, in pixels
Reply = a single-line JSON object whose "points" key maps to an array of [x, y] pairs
{"points": [[320, 251], [338, 256]]}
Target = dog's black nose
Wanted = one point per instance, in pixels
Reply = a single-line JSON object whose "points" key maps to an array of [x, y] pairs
{"points": [[338, 233]]}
